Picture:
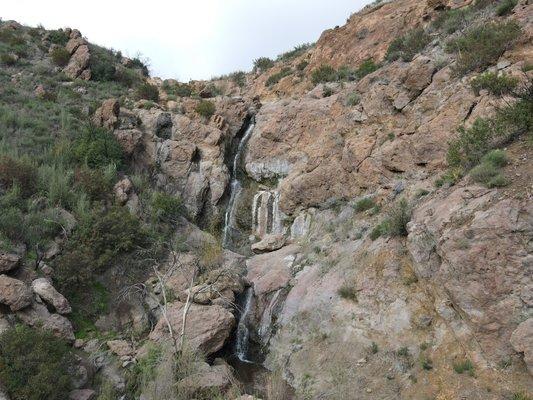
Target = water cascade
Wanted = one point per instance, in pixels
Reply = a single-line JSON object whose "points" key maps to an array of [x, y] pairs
{"points": [[235, 187], [266, 215], [242, 336]]}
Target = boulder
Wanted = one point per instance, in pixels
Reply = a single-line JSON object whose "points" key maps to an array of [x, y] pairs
{"points": [[120, 347], [207, 378], [38, 315], [50, 295], [269, 243], [8, 262], [122, 190], [107, 115], [522, 342], [82, 394], [14, 293], [79, 61], [207, 327]]}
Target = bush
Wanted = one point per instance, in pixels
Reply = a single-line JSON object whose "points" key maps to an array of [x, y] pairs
{"points": [[496, 85], [398, 217], [206, 108], [482, 46], [367, 67], [60, 56], [348, 292], [327, 91], [297, 51], [20, 172], [97, 183], [450, 21], [262, 64], [275, 78], [488, 172], [239, 78], [324, 73], [147, 91], [58, 37], [34, 365], [364, 204], [166, 207], [407, 46], [379, 230], [97, 148], [8, 59], [464, 366], [180, 89], [506, 7], [302, 65], [353, 99]]}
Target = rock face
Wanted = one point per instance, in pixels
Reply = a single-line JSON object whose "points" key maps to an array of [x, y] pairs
{"points": [[207, 327], [50, 295], [38, 316], [269, 243], [14, 293], [208, 378], [8, 262], [107, 115], [522, 341]]}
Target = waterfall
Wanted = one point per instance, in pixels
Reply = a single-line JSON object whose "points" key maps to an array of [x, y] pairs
{"points": [[243, 333], [235, 186], [265, 327], [267, 217]]}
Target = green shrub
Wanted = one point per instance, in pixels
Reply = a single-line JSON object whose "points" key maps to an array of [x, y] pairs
{"points": [[426, 363], [348, 292], [97, 148], [521, 396], [96, 183], [488, 172], [296, 52], [482, 46], [239, 78], [407, 46], [367, 67], [398, 217], [58, 37], [496, 85], [302, 65], [20, 172], [262, 64], [364, 204], [147, 91], [8, 59], [450, 21], [327, 91], [378, 230], [403, 352], [275, 78], [60, 56], [498, 158], [166, 207], [464, 366], [324, 73], [506, 7], [206, 108], [353, 99], [34, 365]]}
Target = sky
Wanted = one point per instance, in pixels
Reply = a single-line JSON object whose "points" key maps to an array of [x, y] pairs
{"points": [[190, 39]]}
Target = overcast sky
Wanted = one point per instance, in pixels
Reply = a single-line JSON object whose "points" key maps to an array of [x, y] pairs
{"points": [[190, 39]]}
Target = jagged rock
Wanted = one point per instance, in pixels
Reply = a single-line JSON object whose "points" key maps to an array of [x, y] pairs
{"points": [[120, 347], [74, 43], [207, 327], [79, 61], [14, 293], [522, 342], [207, 377], [38, 315], [130, 139], [50, 295], [163, 126], [82, 394], [122, 190], [107, 115], [8, 262], [269, 243]]}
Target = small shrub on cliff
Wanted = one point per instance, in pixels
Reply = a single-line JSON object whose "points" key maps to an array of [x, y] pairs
{"points": [[488, 172], [8, 59], [166, 207], [97, 148], [506, 7], [239, 78], [353, 99], [20, 172], [481, 46], [262, 64], [364, 204], [407, 46], [34, 365], [58, 37], [146, 91], [464, 366], [297, 51], [324, 73], [60, 56], [275, 78], [206, 108], [496, 85], [348, 292], [367, 67], [398, 217]]}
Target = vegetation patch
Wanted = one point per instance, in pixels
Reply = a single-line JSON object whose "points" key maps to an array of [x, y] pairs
{"points": [[348, 292], [464, 366], [407, 46], [497, 85], [324, 73], [275, 78], [60, 56], [506, 7], [97, 148], [481, 46], [34, 365], [206, 108], [296, 52], [146, 91], [262, 64], [488, 171], [364, 204], [367, 67]]}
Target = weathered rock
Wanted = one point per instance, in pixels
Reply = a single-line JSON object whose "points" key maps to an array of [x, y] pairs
{"points": [[269, 243], [163, 126], [38, 315], [14, 293], [522, 342], [123, 189], [50, 295], [107, 115], [82, 394], [120, 347], [207, 378], [8, 262], [207, 327], [78, 63]]}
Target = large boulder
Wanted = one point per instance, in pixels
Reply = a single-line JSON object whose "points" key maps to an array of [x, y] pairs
{"points": [[522, 342], [269, 243], [79, 61], [8, 262], [38, 315], [207, 378], [14, 293], [107, 115], [50, 295], [207, 327]]}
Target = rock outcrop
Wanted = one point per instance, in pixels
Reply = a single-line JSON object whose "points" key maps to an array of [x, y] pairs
{"points": [[50, 295], [14, 293]]}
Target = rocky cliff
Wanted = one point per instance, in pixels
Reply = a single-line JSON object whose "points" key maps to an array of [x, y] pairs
{"points": [[355, 217]]}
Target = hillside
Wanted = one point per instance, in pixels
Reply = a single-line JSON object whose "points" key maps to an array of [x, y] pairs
{"points": [[351, 220]]}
